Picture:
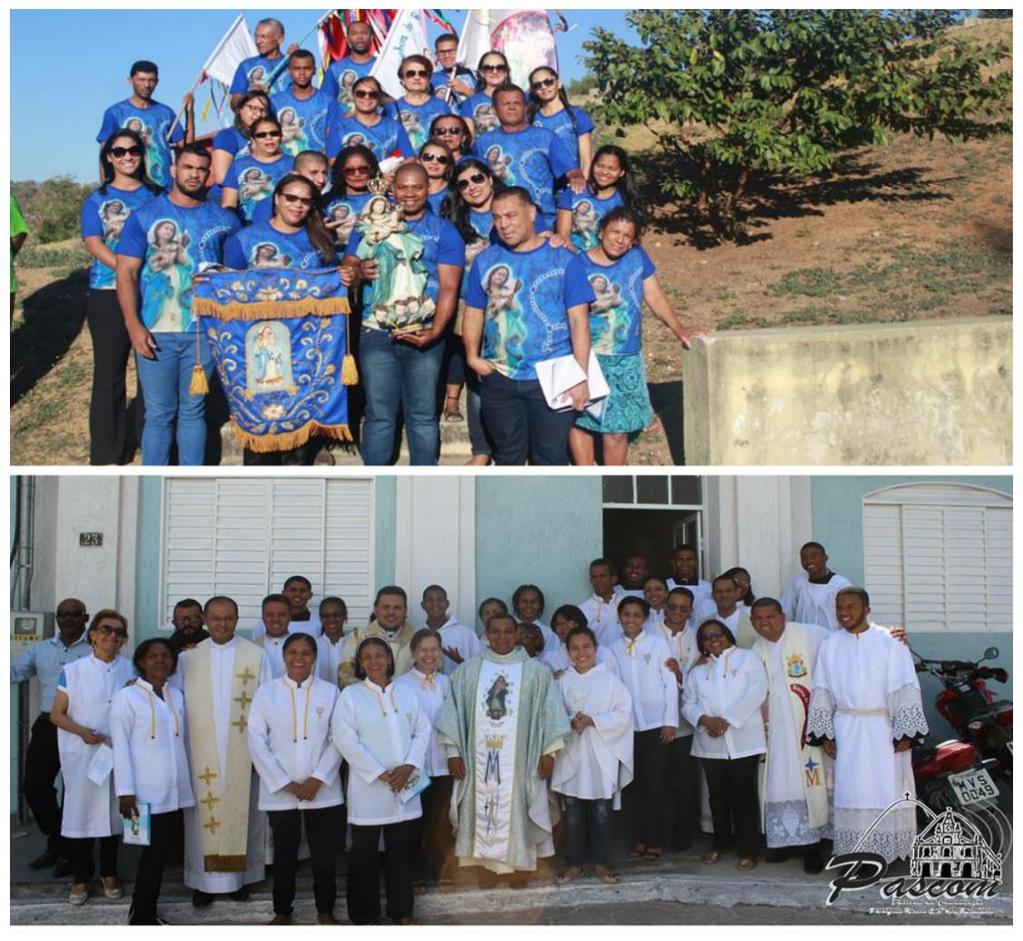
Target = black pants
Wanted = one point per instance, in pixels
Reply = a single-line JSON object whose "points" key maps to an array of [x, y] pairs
{"points": [[112, 437], [435, 856], [83, 862], [734, 805], [323, 829], [648, 797], [363, 888], [521, 424], [42, 765], [149, 875], [682, 783]]}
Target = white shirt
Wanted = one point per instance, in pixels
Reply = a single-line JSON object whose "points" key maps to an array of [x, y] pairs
{"points": [[328, 658], [650, 683], [558, 660], [273, 649], [290, 741], [684, 650], [810, 603], [602, 617], [148, 738], [701, 590], [733, 687], [462, 638], [430, 692], [376, 730], [312, 626]]}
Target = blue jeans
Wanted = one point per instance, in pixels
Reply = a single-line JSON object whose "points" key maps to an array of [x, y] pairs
{"points": [[521, 423], [165, 383], [397, 375], [598, 814]]}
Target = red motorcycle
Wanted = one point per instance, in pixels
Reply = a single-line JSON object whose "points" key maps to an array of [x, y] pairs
{"points": [[960, 772]]}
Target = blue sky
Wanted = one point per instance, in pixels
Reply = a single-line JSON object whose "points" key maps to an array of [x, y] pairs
{"points": [[68, 66]]}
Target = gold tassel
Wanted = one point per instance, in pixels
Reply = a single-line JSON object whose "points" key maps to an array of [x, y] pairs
{"points": [[198, 385], [349, 371], [287, 440]]}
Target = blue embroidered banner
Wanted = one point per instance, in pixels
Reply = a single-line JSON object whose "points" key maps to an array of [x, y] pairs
{"points": [[280, 345]]}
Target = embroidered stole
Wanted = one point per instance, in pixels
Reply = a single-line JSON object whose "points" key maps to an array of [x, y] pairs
{"points": [[798, 678], [497, 714], [222, 794]]}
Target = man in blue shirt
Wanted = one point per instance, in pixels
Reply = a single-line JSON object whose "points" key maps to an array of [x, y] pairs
{"points": [[452, 82], [305, 112], [531, 157], [150, 120], [45, 660], [401, 370], [525, 302], [256, 71], [162, 246], [341, 75]]}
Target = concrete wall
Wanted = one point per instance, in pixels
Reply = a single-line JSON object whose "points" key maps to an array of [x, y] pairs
{"points": [[924, 393]]}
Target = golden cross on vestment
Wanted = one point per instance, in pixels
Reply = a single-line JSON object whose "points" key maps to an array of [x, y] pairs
{"points": [[212, 824], [241, 723], [245, 676], [243, 700], [207, 776], [209, 800]]}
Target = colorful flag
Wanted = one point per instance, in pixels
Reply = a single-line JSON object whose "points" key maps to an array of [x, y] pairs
{"points": [[405, 37]]}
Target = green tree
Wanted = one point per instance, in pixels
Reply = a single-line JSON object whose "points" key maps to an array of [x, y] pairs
{"points": [[52, 207], [733, 95]]}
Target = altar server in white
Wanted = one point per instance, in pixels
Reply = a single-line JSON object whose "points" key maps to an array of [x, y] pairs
{"points": [[81, 712], [810, 596], [596, 764], [331, 643], [722, 698], [601, 608], [276, 623], [147, 729], [641, 659], [458, 642], [384, 736], [866, 711], [299, 781], [567, 617]]}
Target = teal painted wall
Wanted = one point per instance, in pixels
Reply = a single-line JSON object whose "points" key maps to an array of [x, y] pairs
{"points": [[541, 530], [148, 538], [384, 530]]}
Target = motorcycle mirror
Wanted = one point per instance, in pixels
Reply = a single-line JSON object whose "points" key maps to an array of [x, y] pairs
{"points": [[991, 653]]}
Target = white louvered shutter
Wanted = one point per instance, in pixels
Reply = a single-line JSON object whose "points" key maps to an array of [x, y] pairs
{"points": [[244, 537]]}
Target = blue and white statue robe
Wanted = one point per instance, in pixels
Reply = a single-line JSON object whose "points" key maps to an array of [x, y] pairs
{"points": [[502, 714]]}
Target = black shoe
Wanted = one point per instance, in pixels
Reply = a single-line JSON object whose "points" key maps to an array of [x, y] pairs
{"points": [[201, 899], [775, 856], [242, 895], [44, 861], [813, 863], [63, 869]]}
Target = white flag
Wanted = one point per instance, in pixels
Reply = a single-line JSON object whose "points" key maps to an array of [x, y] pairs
{"points": [[237, 44], [475, 41], [406, 37]]}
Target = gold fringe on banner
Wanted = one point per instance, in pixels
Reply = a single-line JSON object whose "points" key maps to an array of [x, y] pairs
{"points": [[288, 440], [224, 863], [271, 310]]}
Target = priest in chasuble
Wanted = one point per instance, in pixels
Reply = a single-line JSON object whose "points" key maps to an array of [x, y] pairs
{"points": [[501, 725]]}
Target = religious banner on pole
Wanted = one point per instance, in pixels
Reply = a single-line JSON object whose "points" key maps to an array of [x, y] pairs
{"points": [[526, 38], [280, 346]]}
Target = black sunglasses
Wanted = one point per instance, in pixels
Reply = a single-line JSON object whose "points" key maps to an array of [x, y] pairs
{"points": [[362, 93], [416, 73], [260, 135], [494, 68], [543, 83], [474, 180], [448, 131], [133, 151], [295, 198], [442, 159]]}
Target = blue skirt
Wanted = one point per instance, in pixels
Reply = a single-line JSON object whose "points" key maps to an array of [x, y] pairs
{"points": [[628, 407]]}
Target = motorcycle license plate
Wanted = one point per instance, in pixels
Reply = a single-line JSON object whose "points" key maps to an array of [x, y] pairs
{"points": [[974, 786]]}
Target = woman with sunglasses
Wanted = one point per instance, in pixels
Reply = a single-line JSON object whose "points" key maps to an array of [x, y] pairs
{"points": [[439, 165], [147, 730], [295, 237], [479, 110], [721, 699], [125, 188], [550, 108], [349, 191], [253, 177], [417, 107], [237, 139], [369, 125], [471, 192], [453, 132], [81, 713]]}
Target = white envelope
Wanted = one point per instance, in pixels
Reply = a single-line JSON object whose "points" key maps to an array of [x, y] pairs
{"points": [[101, 765], [558, 375]]}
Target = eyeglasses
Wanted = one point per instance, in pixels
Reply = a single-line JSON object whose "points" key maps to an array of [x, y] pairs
{"points": [[448, 131], [116, 631], [467, 181], [357, 170], [260, 135], [442, 159], [416, 73], [494, 68], [543, 83], [295, 198], [362, 93], [133, 151]]}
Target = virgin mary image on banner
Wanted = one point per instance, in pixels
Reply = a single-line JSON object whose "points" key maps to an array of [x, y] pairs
{"points": [[268, 351]]}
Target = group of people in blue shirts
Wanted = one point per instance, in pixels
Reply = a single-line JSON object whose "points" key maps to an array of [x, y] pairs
{"points": [[530, 239]]}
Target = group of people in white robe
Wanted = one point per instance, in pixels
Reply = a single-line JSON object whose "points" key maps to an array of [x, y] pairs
{"points": [[466, 750]]}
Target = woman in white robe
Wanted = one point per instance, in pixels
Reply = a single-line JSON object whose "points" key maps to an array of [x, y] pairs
{"points": [[291, 746], [596, 764], [436, 859], [147, 729], [383, 735], [81, 712]]}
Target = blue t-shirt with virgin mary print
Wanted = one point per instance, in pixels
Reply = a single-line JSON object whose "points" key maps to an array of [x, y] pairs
{"points": [[344, 210], [416, 119], [152, 124], [261, 246], [568, 133], [105, 214], [587, 211], [383, 138], [339, 78], [525, 297], [256, 71], [304, 122], [255, 180], [174, 243], [616, 312]]}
